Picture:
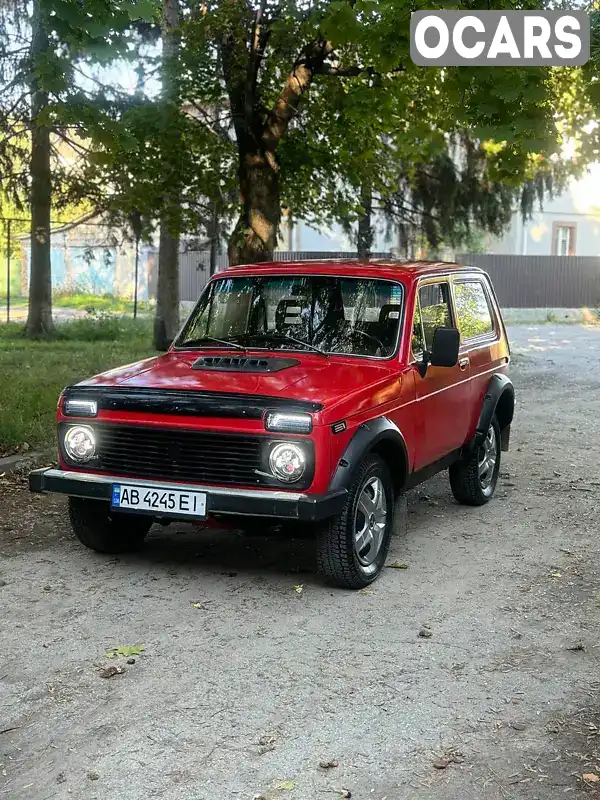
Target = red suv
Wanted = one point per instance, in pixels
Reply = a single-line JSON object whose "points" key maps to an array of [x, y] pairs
{"points": [[316, 392]]}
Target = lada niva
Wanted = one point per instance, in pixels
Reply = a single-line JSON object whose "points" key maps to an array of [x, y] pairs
{"points": [[314, 392]]}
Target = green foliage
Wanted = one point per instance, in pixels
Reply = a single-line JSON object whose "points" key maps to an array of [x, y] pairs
{"points": [[368, 115]]}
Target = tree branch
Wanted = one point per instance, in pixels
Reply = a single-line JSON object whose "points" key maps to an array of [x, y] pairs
{"points": [[297, 84], [348, 72], [254, 60]]}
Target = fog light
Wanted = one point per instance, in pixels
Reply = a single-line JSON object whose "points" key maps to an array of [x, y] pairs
{"points": [[78, 407], [288, 423], [80, 443], [287, 462]]}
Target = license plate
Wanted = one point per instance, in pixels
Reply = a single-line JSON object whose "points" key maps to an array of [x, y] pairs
{"points": [[159, 501]]}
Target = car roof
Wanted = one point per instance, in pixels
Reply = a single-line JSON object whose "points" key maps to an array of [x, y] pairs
{"points": [[405, 271]]}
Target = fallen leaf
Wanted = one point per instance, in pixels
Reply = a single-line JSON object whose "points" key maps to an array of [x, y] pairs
{"points": [[127, 651], [556, 575], [286, 786], [366, 591], [398, 565], [329, 764], [299, 588], [109, 672], [590, 777]]}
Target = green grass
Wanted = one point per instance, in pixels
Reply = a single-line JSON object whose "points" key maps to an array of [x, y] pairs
{"points": [[32, 374], [106, 302]]}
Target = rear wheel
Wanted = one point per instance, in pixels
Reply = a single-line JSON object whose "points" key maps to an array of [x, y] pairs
{"points": [[101, 529], [352, 547], [473, 480]]}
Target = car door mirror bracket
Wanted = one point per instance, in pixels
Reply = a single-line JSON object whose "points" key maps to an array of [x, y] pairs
{"points": [[424, 363]]}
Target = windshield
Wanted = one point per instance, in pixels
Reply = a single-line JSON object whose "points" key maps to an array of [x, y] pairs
{"points": [[354, 316]]}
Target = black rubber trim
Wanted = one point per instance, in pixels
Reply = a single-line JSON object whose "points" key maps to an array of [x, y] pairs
{"points": [[364, 440], [309, 509], [499, 385], [423, 474], [191, 403]]}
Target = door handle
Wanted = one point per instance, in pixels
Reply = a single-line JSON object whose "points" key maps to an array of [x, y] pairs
{"points": [[464, 362]]}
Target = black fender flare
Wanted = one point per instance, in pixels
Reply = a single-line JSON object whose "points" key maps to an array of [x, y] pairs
{"points": [[500, 394], [376, 434]]}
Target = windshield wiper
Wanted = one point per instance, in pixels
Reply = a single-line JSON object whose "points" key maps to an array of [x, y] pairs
{"points": [[285, 337], [203, 339]]}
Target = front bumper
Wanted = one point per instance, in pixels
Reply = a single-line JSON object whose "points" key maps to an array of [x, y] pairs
{"points": [[219, 500]]}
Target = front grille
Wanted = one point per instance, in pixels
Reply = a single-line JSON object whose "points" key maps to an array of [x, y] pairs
{"points": [[167, 453]]}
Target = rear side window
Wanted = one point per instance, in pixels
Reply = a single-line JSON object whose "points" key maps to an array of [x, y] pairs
{"points": [[432, 311], [472, 309]]}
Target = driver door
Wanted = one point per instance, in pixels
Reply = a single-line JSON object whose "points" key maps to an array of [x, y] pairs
{"points": [[443, 395]]}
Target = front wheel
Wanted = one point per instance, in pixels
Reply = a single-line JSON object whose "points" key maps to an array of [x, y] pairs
{"points": [[101, 529], [473, 480], [352, 547]]}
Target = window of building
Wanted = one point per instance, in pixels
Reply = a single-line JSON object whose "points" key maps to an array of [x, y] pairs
{"points": [[563, 239]]}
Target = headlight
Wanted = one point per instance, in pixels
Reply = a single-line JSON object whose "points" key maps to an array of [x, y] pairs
{"points": [[78, 407], [288, 423], [80, 443], [287, 462]]}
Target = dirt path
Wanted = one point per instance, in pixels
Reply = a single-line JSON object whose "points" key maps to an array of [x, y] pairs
{"points": [[245, 684]]}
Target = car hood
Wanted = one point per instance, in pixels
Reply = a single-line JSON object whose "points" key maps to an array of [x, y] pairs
{"points": [[313, 378]]}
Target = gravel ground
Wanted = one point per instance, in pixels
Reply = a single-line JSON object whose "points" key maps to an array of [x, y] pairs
{"points": [[246, 684]]}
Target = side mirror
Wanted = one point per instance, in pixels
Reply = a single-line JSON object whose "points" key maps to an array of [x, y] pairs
{"points": [[444, 350]]}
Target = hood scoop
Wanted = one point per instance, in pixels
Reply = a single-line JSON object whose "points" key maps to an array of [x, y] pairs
{"points": [[243, 363]]}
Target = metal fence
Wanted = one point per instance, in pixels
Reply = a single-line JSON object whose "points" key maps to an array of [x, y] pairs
{"points": [[541, 281], [90, 258], [194, 268]]}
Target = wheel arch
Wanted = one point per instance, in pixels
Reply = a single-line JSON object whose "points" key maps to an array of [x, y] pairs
{"points": [[381, 437], [499, 399]]}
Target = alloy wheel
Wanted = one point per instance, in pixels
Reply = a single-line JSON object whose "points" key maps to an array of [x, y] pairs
{"points": [[488, 454], [370, 521]]}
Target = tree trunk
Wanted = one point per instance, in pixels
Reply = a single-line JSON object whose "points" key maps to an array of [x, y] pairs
{"points": [[365, 225], [39, 319], [214, 236], [166, 321], [255, 236]]}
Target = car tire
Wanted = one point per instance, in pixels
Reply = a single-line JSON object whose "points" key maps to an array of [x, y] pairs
{"points": [[473, 479], [105, 531], [352, 547]]}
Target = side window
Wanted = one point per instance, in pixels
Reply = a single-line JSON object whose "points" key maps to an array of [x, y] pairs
{"points": [[472, 309], [434, 302]]}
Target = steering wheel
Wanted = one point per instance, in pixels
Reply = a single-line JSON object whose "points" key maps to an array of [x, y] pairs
{"points": [[369, 336]]}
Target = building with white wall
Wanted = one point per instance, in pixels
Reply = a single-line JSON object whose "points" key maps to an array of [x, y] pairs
{"points": [[567, 225]]}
